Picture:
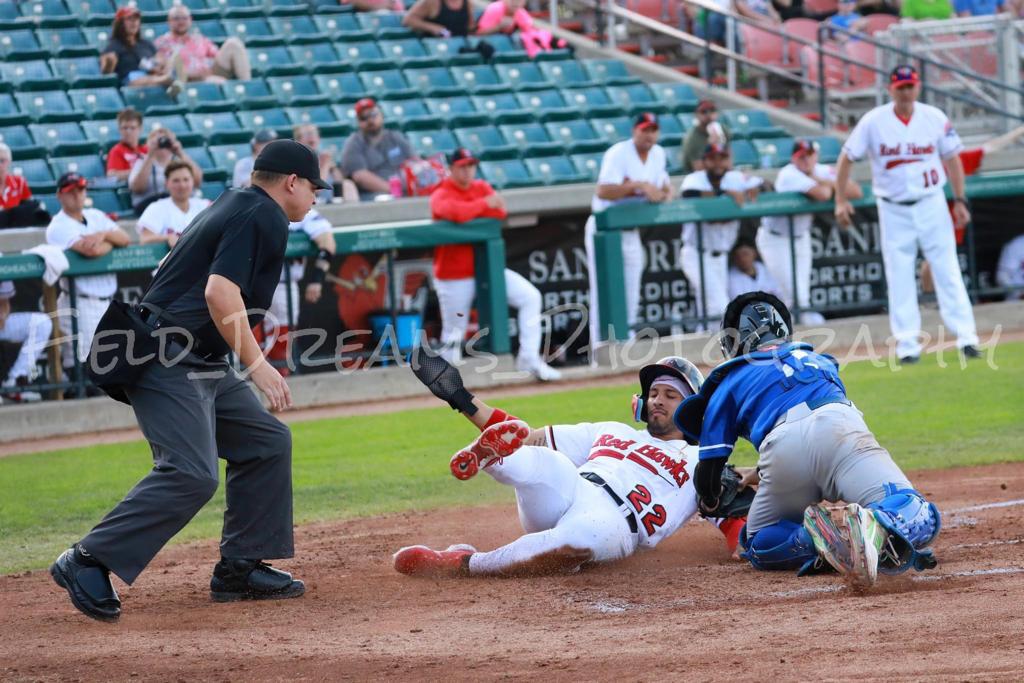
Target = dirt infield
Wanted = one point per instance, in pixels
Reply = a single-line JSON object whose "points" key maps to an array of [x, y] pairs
{"points": [[683, 612]]}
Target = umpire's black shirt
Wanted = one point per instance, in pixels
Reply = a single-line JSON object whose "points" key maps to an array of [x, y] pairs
{"points": [[242, 236]]}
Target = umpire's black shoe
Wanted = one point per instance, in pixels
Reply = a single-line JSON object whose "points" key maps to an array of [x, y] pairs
{"points": [[970, 352], [88, 583], [252, 580], [909, 360]]}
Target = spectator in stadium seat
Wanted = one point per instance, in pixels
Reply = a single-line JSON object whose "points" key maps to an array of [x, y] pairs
{"points": [[921, 10], [134, 59], [17, 207], [759, 10], [715, 21], [866, 7], [373, 154], [242, 175], [511, 16], [707, 131], [123, 155], [747, 273], [165, 219], [977, 8], [309, 135], [31, 330], [847, 19], [440, 18], [146, 180], [374, 5], [203, 61], [462, 197], [1010, 270]]}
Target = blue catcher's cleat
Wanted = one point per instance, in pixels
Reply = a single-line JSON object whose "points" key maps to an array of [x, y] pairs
{"points": [[828, 539], [867, 538]]}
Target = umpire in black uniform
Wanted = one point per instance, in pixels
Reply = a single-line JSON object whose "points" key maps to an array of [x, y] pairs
{"points": [[225, 266]]}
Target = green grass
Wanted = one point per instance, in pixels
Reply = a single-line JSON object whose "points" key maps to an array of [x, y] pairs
{"points": [[347, 467]]}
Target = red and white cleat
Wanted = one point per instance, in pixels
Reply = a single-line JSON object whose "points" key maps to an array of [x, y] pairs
{"points": [[494, 443], [419, 560]]}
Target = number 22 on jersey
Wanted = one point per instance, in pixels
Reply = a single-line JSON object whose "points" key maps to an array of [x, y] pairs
{"points": [[640, 499]]}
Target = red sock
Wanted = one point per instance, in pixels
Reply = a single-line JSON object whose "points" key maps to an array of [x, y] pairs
{"points": [[731, 528], [498, 416]]}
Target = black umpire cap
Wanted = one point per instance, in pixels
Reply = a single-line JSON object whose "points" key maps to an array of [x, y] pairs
{"points": [[289, 156]]}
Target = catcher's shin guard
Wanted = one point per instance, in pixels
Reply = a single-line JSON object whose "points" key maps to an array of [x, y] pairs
{"points": [[783, 545], [912, 524], [494, 443]]}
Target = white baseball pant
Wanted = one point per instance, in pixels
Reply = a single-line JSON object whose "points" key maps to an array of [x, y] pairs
{"points": [[88, 315], [455, 298], [633, 262], [903, 229], [32, 331], [558, 509], [277, 314], [779, 262], [715, 284]]}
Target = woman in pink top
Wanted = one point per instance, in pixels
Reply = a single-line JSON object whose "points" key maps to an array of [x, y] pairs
{"points": [[508, 16]]}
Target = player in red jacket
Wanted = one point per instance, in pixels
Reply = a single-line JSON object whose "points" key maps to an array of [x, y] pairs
{"points": [[461, 197]]}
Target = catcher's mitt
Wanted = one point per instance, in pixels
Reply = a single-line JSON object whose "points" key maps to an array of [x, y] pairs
{"points": [[442, 379], [732, 502]]}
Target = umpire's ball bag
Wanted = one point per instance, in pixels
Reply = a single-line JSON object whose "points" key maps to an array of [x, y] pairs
{"points": [[121, 349]]}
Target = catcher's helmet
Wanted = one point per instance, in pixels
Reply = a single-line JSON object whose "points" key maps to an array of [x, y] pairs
{"points": [[752, 320], [676, 366]]}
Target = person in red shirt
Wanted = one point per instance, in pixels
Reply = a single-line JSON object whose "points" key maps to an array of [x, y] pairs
{"points": [[17, 207], [123, 155], [461, 197]]}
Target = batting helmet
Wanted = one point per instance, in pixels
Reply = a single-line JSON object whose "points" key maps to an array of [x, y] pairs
{"points": [[752, 320], [675, 366]]}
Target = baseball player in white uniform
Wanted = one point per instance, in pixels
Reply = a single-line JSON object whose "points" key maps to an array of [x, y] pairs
{"points": [[165, 219], [712, 248], [913, 149], [32, 330], [590, 492], [91, 233], [817, 182], [633, 170], [1010, 271]]}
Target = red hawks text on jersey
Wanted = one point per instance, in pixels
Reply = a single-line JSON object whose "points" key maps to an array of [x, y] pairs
{"points": [[652, 475]]}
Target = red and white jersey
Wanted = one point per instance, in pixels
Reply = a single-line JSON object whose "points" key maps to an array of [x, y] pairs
{"points": [[654, 477], [314, 225], [906, 156]]}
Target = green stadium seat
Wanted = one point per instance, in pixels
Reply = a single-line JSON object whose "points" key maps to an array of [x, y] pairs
{"points": [[595, 101], [743, 153], [567, 74], [202, 157], [225, 156], [48, 200], [386, 83], [554, 170], [152, 100], [211, 189], [828, 149], [384, 25], [502, 108], [42, 11], [253, 31], [447, 50], [62, 138], [506, 48], [67, 42], [37, 172], [609, 72], [547, 105], [487, 142], [531, 138], [455, 111], [81, 73], [344, 87], [322, 116], [346, 114], [148, 7], [479, 79], [88, 165], [86, 8], [523, 76], [751, 123], [408, 53], [204, 97], [773, 152], [10, 17], [674, 159], [318, 58], [297, 29], [636, 98], [342, 27], [614, 129], [97, 36], [408, 114], [10, 114], [47, 106], [506, 174], [20, 141], [273, 117], [175, 123], [107, 201], [97, 103], [21, 44], [671, 130], [576, 136], [588, 165], [33, 74], [363, 55], [296, 90], [678, 96], [212, 29], [218, 127], [434, 81], [252, 94], [104, 133], [274, 61], [430, 142]]}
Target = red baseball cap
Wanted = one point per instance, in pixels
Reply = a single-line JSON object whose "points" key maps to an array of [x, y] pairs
{"points": [[716, 150], [365, 104], [804, 147], [71, 181], [127, 11], [646, 120], [902, 75], [706, 105], [462, 157]]}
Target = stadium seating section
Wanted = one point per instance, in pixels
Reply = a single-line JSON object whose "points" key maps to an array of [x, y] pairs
{"points": [[539, 122]]}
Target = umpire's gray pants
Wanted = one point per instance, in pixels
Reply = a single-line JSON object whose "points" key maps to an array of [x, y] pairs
{"points": [[191, 414], [825, 454]]}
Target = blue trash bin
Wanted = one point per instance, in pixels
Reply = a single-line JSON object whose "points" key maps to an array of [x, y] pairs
{"points": [[407, 331]]}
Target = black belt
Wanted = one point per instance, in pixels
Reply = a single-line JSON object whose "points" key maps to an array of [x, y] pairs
{"points": [[906, 203], [80, 295], [596, 480], [154, 318]]}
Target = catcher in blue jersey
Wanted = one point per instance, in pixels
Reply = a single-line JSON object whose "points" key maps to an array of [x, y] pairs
{"points": [[813, 445]]}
